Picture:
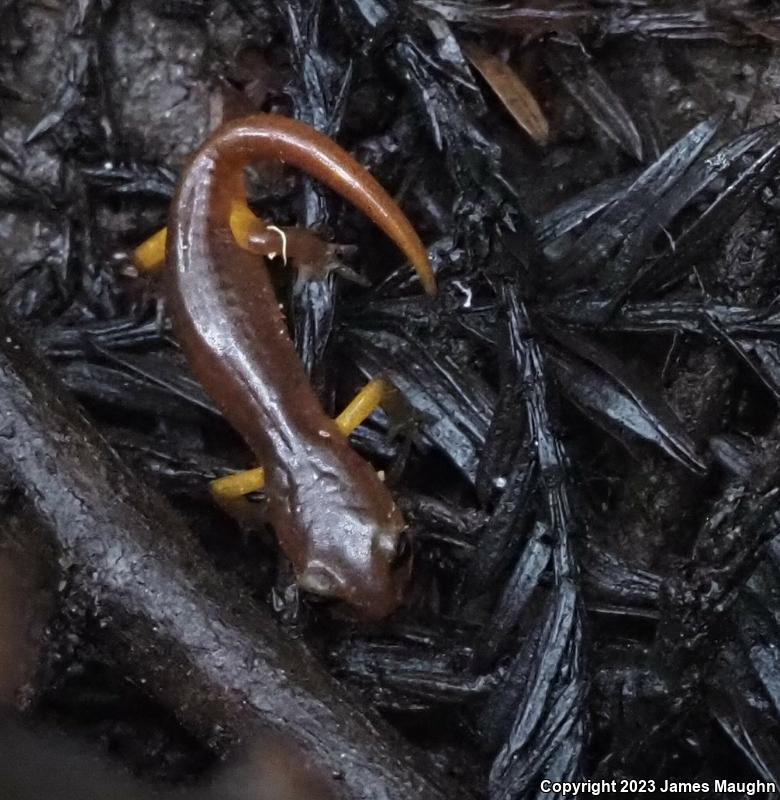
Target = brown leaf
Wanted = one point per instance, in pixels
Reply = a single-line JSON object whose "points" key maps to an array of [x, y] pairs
{"points": [[511, 91]]}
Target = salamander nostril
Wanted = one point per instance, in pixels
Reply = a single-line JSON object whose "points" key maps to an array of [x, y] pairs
{"points": [[319, 580]]}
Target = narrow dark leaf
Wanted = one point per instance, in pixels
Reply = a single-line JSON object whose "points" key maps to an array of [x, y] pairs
{"points": [[505, 435], [522, 583], [728, 549], [78, 340], [547, 703], [621, 272], [407, 679], [135, 179], [668, 316], [733, 453], [697, 241], [112, 387], [752, 729], [503, 533], [313, 316], [158, 371], [598, 243], [676, 21], [761, 357], [616, 397], [69, 95], [508, 16], [582, 207], [758, 630], [594, 95], [548, 720], [324, 89], [609, 579]]}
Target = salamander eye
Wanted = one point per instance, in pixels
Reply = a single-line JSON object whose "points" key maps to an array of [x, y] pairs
{"points": [[403, 551], [393, 548]]}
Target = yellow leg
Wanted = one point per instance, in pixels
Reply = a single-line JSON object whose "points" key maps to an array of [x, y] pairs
{"points": [[232, 486], [149, 256], [363, 405]]}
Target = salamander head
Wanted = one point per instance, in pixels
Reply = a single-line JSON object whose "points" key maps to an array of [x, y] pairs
{"points": [[369, 568], [346, 537]]}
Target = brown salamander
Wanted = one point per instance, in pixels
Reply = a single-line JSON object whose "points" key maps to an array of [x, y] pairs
{"points": [[333, 516]]}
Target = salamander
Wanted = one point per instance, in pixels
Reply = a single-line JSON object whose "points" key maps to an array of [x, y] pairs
{"points": [[333, 517]]}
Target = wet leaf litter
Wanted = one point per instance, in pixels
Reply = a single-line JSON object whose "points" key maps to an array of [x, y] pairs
{"points": [[583, 440]]}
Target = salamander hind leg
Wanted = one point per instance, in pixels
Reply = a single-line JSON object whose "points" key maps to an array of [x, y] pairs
{"points": [[310, 254]]}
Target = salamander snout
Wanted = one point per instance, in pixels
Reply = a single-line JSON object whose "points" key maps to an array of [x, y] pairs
{"points": [[369, 572]]}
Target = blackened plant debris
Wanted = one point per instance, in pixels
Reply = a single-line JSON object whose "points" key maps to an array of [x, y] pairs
{"points": [[595, 96], [68, 97], [723, 212], [132, 179], [454, 404], [743, 521], [690, 315], [546, 731], [585, 438], [620, 398], [319, 100], [536, 21], [619, 220], [729, 22]]}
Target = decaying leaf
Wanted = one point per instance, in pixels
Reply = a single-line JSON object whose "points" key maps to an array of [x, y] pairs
{"points": [[511, 91]]}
